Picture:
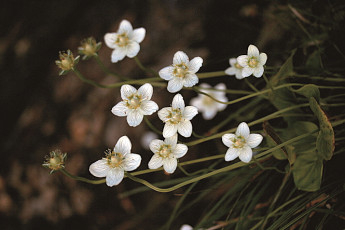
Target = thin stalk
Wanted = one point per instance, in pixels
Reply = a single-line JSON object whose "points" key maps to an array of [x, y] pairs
{"points": [[211, 74], [143, 68], [78, 178], [106, 70], [151, 126]]}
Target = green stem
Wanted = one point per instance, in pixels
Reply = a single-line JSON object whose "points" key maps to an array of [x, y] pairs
{"points": [[151, 126], [211, 74], [78, 178], [106, 70], [251, 85], [143, 68]]}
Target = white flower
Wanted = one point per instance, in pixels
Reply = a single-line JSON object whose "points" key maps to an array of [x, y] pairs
{"points": [[234, 69], [125, 41], [166, 153], [135, 104], [116, 162], [207, 105], [182, 72], [241, 143], [147, 138], [177, 118], [253, 62], [186, 227]]}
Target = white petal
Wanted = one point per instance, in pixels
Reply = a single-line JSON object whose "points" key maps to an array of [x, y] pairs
{"points": [[133, 49], [231, 154], [186, 227], [253, 51], [131, 162], [169, 130], [245, 154], [171, 140], [195, 64], [148, 107], [99, 168], [227, 139], [242, 60], [127, 91], [134, 117], [109, 39], [208, 114], [232, 61], [155, 145], [175, 85], [180, 57], [197, 102], [243, 130], [190, 80], [118, 54], [138, 35], [155, 162], [123, 146], [164, 113], [166, 73], [120, 109], [178, 102], [145, 91], [125, 27], [254, 140], [114, 177], [247, 71], [263, 58], [185, 128], [231, 71], [147, 138], [220, 86], [189, 112], [170, 165], [239, 75], [180, 150], [258, 71]]}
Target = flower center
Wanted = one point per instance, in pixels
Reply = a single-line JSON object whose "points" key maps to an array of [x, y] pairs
{"points": [[122, 40], [175, 116], [238, 142], [180, 70], [133, 102], [164, 151], [253, 62], [114, 159], [207, 100], [238, 66]]}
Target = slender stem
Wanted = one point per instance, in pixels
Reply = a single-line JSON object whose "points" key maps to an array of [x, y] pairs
{"points": [[152, 127], [143, 68], [211, 74], [251, 85], [106, 70], [78, 178], [268, 83]]}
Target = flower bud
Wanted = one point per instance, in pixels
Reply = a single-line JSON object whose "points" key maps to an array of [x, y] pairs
{"points": [[89, 48], [55, 161], [66, 62]]}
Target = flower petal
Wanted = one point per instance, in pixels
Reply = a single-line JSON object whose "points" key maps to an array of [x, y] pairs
{"points": [[118, 54], [231, 71], [227, 139], [134, 117], [247, 71], [242, 60], [253, 51], [114, 177], [195, 64], [197, 102], [180, 57], [148, 107], [246, 154], [166, 73], [169, 130], [127, 91], [190, 80], [208, 114], [172, 141], [258, 71], [254, 140], [123, 146], [175, 85], [125, 27], [145, 91], [189, 112], [178, 102], [243, 130], [131, 162], [263, 58], [138, 35], [180, 150], [155, 145], [155, 162], [185, 128], [120, 109], [231, 154], [164, 113], [239, 75], [232, 61], [170, 165], [99, 168], [109, 39], [132, 49]]}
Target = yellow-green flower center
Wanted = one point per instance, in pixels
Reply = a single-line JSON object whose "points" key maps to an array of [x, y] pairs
{"points": [[175, 116], [238, 66], [164, 151], [180, 70], [114, 159], [207, 100], [122, 40], [133, 101], [238, 142], [253, 62]]}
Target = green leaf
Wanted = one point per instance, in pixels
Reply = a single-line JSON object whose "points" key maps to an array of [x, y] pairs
{"points": [[285, 70], [309, 91], [325, 138], [313, 62], [308, 143], [307, 172]]}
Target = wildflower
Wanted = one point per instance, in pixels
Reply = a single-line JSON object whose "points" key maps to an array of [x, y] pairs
{"points": [[207, 105], [147, 138], [125, 41], [186, 227], [116, 162], [177, 117], [166, 153], [67, 62], [253, 62], [182, 72], [135, 104], [55, 161], [241, 143], [89, 48], [234, 69]]}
